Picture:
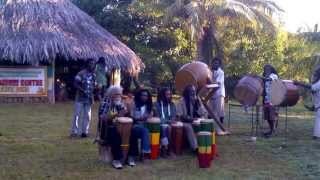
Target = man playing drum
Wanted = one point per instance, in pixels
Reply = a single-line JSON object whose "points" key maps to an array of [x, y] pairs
{"points": [[270, 113], [165, 109], [111, 108], [140, 111], [189, 109], [315, 88]]}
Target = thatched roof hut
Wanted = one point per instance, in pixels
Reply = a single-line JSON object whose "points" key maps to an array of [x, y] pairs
{"points": [[33, 31]]}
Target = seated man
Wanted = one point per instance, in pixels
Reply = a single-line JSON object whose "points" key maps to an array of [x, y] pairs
{"points": [[110, 108], [190, 108], [165, 109], [140, 111]]}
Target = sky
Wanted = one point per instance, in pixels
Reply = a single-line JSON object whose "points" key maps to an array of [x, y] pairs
{"points": [[300, 13]]}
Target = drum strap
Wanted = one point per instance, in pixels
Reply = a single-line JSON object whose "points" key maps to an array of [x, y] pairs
{"points": [[162, 110]]}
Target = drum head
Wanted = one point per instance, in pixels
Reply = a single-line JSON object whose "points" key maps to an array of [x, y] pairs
{"points": [[153, 120], [183, 79], [206, 120], [124, 120], [278, 91], [248, 90], [177, 124]]}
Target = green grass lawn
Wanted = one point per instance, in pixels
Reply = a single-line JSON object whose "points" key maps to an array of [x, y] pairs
{"points": [[34, 144]]}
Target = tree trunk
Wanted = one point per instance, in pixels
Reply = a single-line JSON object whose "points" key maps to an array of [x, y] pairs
{"points": [[207, 44]]}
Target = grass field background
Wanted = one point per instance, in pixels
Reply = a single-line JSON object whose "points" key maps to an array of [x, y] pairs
{"points": [[34, 144]]}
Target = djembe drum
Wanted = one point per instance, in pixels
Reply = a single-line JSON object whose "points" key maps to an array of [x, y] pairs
{"points": [[196, 125], [284, 93], [208, 125], [153, 124], [124, 125], [177, 137], [204, 150]]}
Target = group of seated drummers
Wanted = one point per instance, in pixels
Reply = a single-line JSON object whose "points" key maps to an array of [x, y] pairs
{"points": [[140, 111]]}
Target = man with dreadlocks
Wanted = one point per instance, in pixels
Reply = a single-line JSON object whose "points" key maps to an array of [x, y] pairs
{"points": [[141, 110], [270, 112], [165, 109], [190, 108]]}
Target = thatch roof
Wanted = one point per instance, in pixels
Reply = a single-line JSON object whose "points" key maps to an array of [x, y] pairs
{"points": [[32, 31]]}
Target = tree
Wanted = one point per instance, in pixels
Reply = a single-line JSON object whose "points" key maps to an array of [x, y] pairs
{"points": [[201, 16]]}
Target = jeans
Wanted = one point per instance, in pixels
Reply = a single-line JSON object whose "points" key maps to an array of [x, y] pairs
{"points": [[139, 132], [86, 109]]}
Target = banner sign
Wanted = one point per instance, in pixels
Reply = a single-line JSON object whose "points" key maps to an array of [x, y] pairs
{"points": [[23, 81]]}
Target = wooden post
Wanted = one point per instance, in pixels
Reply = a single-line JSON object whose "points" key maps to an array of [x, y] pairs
{"points": [[53, 81]]}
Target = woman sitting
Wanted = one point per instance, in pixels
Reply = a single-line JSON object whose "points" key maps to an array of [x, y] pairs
{"points": [[165, 109], [190, 108]]}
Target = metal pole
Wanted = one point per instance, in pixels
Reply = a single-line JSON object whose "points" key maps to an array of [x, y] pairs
{"points": [[229, 114], [257, 118], [252, 123]]}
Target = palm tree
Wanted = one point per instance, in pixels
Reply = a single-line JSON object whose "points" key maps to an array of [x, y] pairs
{"points": [[200, 17]]}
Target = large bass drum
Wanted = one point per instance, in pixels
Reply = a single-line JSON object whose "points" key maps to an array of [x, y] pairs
{"points": [[248, 90], [284, 93]]}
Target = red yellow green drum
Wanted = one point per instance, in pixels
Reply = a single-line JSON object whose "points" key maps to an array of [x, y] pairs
{"points": [[153, 124], [204, 150]]}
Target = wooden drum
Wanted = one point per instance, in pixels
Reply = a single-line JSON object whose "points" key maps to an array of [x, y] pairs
{"points": [[124, 125], [248, 90], [284, 93], [204, 150], [177, 137], [153, 124], [195, 73]]}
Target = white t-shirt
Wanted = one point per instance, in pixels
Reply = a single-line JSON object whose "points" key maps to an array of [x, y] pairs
{"points": [[218, 77]]}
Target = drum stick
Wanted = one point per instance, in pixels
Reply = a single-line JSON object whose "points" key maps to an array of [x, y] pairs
{"points": [[212, 114]]}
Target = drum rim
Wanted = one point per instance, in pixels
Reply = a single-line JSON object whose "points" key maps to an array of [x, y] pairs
{"points": [[128, 120], [177, 124], [204, 133], [153, 120]]}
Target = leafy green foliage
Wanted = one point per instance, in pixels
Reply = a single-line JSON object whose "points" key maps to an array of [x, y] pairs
{"points": [[164, 45]]}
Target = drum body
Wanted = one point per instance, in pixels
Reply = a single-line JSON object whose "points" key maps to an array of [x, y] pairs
{"points": [[206, 125], [204, 150], [284, 93], [196, 73], [124, 125], [177, 137], [153, 124], [196, 125], [248, 90]]}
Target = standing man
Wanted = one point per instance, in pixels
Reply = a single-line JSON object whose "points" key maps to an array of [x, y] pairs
{"points": [[101, 77], [217, 100], [85, 82]]}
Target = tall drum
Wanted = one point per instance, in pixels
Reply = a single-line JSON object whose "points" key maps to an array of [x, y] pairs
{"points": [[153, 124], [248, 90], [196, 125], [177, 137], [124, 125], [195, 73], [208, 125], [204, 150], [284, 93]]}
